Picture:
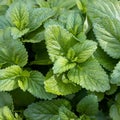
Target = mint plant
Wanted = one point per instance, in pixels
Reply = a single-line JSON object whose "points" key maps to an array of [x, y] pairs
{"points": [[59, 59]]}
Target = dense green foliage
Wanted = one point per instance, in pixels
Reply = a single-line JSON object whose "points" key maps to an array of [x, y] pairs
{"points": [[59, 60]]}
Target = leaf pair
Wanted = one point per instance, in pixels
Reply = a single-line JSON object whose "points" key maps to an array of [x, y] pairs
{"points": [[61, 109]]}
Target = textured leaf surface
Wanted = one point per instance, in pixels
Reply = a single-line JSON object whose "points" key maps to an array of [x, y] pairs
{"points": [[66, 114], [109, 8], [38, 16], [88, 105], [43, 110], [11, 51], [60, 86], [58, 41], [8, 78], [74, 23], [6, 114], [84, 50], [105, 60], [90, 75], [4, 22], [36, 86], [115, 76], [62, 4], [18, 16], [107, 34]]}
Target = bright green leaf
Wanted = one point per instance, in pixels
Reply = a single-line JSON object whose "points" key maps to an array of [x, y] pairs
{"points": [[88, 105], [23, 80], [62, 65], [18, 15], [58, 41], [6, 114], [84, 50], [43, 111], [8, 78], [60, 85], [90, 76]]}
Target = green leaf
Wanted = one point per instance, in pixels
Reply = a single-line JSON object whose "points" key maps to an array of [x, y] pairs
{"points": [[84, 50], [105, 60], [58, 41], [107, 34], [43, 111], [6, 100], [16, 33], [18, 16], [62, 65], [66, 114], [3, 9], [38, 16], [97, 9], [115, 76], [34, 37], [90, 76], [62, 4], [113, 89], [84, 117], [4, 22], [36, 86], [60, 85], [74, 23], [6, 114], [8, 78], [23, 80], [42, 3], [11, 51], [88, 105], [114, 113]]}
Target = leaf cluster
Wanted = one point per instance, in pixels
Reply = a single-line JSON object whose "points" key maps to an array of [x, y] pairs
{"points": [[59, 59]]}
